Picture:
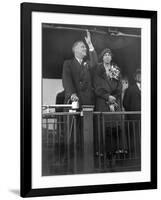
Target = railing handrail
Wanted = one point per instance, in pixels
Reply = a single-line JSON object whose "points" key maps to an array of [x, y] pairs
{"points": [[57, 106], [54, 114], [120, 113]]}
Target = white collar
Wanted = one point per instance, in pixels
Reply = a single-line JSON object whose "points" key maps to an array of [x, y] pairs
{"points": [[139, 85], [79, 60]]}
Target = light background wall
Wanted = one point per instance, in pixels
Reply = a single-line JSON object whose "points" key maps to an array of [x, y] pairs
{"points": [[10, 98], [51, 87]]}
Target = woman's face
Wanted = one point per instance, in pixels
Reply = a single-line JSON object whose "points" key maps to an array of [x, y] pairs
{"points": [[107, 58]]}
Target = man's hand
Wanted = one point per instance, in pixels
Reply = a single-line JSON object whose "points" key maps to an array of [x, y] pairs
{"points": [[74, 97], [112, 108], [111, 99], [88, 41]]}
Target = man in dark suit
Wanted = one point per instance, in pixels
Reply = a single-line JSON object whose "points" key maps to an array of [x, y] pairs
{"points": [[60, 100], [78, 86], [132, 102], [132, 97], [77, 73]]}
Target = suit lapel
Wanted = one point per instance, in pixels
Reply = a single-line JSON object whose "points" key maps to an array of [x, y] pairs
{"points": [[137, 89], [76, 68], [105, 77], [76, 63]]}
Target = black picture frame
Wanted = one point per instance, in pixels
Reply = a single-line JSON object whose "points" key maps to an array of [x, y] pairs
{"points": [[26, 99]]}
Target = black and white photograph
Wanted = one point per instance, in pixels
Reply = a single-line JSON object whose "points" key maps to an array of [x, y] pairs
{"points": [[88, 104], [91, 99]]}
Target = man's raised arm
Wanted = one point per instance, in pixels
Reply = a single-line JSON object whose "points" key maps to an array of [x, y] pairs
{"points": [[93, 59]]}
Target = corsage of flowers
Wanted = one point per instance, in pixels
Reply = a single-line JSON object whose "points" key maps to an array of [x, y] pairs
{"points": [[114, 72]]}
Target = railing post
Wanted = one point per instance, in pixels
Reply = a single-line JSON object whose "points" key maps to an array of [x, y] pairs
{"points": [[88, 138]]}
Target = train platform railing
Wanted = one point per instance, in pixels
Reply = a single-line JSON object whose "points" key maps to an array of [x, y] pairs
{"points": [[118, 140], [90, 142]]}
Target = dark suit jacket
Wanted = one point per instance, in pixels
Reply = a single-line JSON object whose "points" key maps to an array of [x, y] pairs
{"points": [[60, 97], [104, 87], [78, 79], [132, 100]]}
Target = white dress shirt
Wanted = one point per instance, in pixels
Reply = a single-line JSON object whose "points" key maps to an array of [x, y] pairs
{"points": [[139, 85]]}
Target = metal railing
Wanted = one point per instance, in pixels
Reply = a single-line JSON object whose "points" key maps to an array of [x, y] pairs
{"points": [[118, 140], [90, 142]]}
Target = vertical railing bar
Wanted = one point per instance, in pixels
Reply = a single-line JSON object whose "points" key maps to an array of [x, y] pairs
{"points": [[59, 138], [104, 148], [99, 140], [134, 138], [65, 141], [129, 141], [68, 144], [64, 138], [47, 146], [123, 133], [47, 128], [53, 132], [111, 133], [54, 152], [117, 135], [71, 128], [139, 137], [139, 127], [75, 150]]}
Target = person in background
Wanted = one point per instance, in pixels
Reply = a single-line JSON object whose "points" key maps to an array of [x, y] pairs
{"points": [[132, 102], [60, 97], [125, 85], [132, 96]]}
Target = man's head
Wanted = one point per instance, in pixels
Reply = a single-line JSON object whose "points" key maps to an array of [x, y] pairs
{"points": [[137, 76], [79, 49]]}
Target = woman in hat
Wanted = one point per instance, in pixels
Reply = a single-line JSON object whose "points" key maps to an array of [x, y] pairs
{"points": [[107, 83], [108, 88]]}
